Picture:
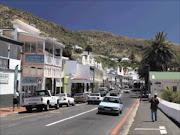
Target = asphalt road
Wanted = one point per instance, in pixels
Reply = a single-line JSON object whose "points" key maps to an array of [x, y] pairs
{"points": [[80, 119]]}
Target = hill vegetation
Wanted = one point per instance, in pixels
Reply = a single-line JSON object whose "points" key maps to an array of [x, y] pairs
{"points": [[101, 42]]}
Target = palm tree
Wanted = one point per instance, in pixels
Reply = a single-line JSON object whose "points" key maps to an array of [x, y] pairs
{"points": [[159, 54], [88, 49]]}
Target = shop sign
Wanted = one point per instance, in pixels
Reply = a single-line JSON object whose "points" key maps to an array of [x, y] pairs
{"points": [[34, 58], [4, 78], [29, 79]]}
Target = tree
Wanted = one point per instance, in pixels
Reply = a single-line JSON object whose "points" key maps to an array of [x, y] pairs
{"points": [[88, 49], [132, 56], [67, 51], [159, 54]]}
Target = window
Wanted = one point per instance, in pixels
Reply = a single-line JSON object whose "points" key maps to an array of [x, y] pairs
{"points": [[4, 49], [40, 47], [15, 52], [174, 88], [25, 70], [27, 47], [33, 70], [39, 71], [33, 47]]}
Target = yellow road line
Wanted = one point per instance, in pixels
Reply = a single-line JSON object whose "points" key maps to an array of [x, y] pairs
{"points": [[53, 111]]}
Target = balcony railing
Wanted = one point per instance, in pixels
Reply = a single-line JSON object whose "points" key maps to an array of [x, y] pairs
{"points": [[49, 60]]}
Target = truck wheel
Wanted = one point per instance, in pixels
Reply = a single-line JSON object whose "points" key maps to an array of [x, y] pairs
{"points": [[39, 108], [68, 104], [57, 105], [29, 109], [47, 107]]}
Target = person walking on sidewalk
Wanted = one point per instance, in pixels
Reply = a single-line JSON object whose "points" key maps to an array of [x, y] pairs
{"points": [[154, 106]]}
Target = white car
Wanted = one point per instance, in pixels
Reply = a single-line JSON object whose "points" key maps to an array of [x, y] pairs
{"points": [[66, 99], [94, 97], [126, 90], [111, 104]]}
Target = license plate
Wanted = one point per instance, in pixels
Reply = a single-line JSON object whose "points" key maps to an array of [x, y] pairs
{"points": [[107, 109], [93, 97]]}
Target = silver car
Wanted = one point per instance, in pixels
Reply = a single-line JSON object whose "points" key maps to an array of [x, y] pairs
{"points": [[111, 104]]}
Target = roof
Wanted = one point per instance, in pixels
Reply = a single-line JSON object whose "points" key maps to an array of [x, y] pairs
{"points": [[9, 40], [165, 75]]}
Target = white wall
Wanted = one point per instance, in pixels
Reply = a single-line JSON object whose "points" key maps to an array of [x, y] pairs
{"points": [[71, 67], [170, 109], [9, 88], [83, 71]]}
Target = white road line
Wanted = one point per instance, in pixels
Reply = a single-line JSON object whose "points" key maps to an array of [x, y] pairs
{"points": [[162, 129], [70, 117], [146, 129]]}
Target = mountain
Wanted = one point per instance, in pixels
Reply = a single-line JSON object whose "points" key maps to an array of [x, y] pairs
{"points": [[102, 42]]}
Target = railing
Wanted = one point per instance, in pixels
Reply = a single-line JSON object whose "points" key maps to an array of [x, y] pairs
{"points": [[49, 60]]}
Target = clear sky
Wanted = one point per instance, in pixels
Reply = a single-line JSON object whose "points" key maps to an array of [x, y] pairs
{"points": [[132, 18]]}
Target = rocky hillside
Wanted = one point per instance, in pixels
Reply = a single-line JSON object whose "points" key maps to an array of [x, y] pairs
{"points": [[102, 42]]}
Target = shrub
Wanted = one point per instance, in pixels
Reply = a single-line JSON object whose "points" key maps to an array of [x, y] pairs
{"points": [[176, 97], [166, 94], [169, 95], [78, 50]]}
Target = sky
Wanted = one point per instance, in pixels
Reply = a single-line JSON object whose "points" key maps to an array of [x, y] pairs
{"points": [[132, 18]]}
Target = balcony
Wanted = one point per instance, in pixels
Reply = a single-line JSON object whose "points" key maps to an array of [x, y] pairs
{"points": [[49, 60]]}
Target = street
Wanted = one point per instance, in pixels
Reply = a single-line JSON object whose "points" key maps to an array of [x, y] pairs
{"points": [[79, 119]]}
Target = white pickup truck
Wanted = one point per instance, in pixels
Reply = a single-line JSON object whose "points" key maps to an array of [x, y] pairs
{"points": [[43, 99]]}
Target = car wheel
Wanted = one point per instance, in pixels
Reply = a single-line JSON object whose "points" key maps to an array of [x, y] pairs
{"points": [[117, 114], [73, 104], [29, 109], [57, 105], [47, 107], [68, 104], [99, 112]]}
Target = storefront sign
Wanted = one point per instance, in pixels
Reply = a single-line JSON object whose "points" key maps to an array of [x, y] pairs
{"points": [[4, 78], [34, 58], [30, 79]]}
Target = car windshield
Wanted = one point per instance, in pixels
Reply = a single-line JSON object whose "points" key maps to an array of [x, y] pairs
{"points": [[94, 94], [79, 94], [62, 95], [111, 99]]}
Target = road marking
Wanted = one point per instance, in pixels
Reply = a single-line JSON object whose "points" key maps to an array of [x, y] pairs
{"points": [[162, 129], [122, 121], [70, 117]]}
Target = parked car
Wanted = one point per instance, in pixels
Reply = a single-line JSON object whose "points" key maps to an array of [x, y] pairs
{"points": [[81, 97], [111, 104], [126, 90], [114, 93], [94, 98], [42, 99], [102, 91], [66, 99]]}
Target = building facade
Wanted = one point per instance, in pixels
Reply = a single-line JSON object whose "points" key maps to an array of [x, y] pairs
{"points": [[10, 57]]}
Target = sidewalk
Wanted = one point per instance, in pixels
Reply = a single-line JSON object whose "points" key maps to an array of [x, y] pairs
{"points": [[143, 125], [6, 111]]}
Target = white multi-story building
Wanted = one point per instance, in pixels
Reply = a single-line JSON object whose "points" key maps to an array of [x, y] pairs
{"points": [[10, 57]]}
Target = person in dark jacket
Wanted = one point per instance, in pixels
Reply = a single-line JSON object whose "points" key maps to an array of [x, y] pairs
{"points": [[154, 106]]}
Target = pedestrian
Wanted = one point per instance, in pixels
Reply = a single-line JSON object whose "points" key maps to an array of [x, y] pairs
{"points": [[154, 106]]}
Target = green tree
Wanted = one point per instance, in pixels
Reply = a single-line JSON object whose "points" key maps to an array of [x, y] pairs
{"points": [[159, 54], [132, 56], [88, 49], [67, 51]]}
